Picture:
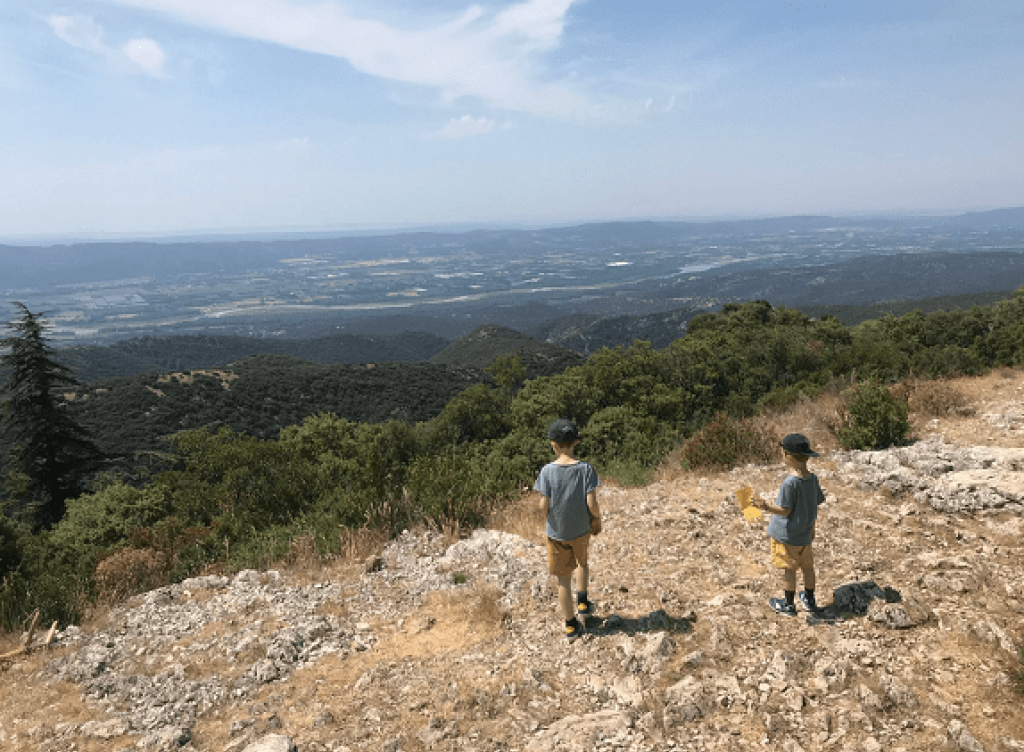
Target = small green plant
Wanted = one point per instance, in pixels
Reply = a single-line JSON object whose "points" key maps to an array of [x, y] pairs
{"points": [[871, 418], [726, 442], [460, 578]]}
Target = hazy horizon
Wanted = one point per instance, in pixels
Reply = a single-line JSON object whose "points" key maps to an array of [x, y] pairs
{"points": [[203, 235], [150, 119]]}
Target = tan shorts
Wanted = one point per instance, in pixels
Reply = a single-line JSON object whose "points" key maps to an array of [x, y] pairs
{"points": [[791, 557], [565, 556]]}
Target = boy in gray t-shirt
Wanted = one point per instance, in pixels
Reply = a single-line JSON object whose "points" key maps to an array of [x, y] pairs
{"points": [[791, 527], [569, 502]]}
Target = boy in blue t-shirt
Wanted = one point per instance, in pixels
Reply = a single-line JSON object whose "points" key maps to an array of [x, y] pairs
{"points": [[569, 490], [791, 527]]}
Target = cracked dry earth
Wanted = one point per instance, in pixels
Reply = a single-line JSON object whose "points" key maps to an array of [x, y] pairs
{"points": [[441, 645]]}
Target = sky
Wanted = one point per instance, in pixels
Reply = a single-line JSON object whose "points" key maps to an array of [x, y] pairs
{"points": [[150, 117]]}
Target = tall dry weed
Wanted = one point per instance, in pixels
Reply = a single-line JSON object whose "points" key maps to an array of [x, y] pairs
{"points": [[303, 555]]}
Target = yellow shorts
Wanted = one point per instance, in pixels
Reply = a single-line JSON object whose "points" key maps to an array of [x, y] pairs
{"points": [[791, 557], [565, 556]]}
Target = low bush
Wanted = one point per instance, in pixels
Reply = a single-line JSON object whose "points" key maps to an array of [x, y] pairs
{"points": [[130, 571], [727, 442], [621, 436], [449, 488], [871, 417]]}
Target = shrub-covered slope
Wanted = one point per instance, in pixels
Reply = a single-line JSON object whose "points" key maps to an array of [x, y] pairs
{"points": [[481, 347], [191, 352], [260, 396]]}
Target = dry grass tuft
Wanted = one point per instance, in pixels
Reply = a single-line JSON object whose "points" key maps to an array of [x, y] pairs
{"points": [[520, 517], [935, 399], [485, 607], [813, 417]]}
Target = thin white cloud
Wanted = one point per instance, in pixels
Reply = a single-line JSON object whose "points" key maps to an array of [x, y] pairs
{"points": [[146, 54], [465, 126], [83, 32], [496, 57], [79, 31]]}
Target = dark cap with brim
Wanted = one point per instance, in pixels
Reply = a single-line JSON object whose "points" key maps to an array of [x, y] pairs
{"points": [[563, 432], [797, 443]]}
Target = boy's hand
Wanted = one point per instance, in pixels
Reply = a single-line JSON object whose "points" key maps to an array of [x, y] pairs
{"points": [[595, 526]]}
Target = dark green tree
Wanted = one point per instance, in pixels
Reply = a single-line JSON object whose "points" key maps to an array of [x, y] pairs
{"points": [[47, 454]]}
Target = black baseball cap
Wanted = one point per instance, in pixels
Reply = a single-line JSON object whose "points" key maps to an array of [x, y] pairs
{"points": [[797, 443], [563, 431]]}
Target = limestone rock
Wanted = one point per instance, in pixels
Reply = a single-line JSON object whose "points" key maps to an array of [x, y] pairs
{"points": [[686, 701], [906, 614], [580, 733], [961, 739], [272, 743], [897, 694]]}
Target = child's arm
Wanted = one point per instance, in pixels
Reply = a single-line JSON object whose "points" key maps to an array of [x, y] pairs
{"points": [[595, 513], [545, 505], [770, 508]]}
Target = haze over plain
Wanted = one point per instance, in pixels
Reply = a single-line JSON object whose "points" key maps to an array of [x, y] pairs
{"points": [[143, 117]]}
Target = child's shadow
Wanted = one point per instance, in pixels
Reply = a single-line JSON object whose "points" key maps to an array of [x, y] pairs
{"points": [[656, 621], [852, 600]]}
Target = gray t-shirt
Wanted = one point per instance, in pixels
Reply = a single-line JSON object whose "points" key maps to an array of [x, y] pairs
{"points": [[801, 496], [567, 487]]}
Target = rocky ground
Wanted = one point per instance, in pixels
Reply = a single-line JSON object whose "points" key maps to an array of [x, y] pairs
{"points": [[449, 645]]}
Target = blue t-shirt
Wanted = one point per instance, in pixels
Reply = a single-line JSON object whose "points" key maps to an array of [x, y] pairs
{"points": [[802, 496], [567, 487]]}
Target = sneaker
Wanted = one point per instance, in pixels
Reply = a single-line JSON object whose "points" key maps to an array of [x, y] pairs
{"points": [[807, 602], [780, 605], [585, 608], [574, 630]]}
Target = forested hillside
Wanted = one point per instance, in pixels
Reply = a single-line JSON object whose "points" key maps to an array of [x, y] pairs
{"points": [[481, 347], [589, 333], [851, 315], [259, 396], [191, 352]]}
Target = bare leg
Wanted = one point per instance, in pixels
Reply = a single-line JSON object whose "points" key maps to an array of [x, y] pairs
{"points": [[789, 580], [809, 579], [582, 578], [565, 597]]}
